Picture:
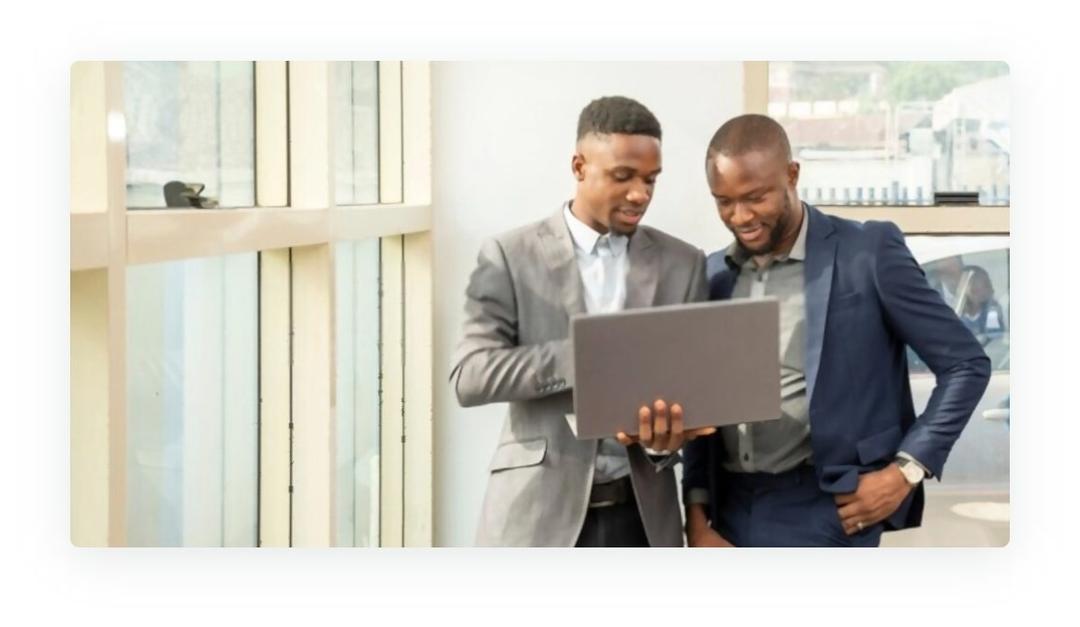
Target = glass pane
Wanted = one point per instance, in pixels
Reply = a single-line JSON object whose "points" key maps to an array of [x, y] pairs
{"points": [[356, 132], [356, 275], [192, 388], [895, 132], [190, 134], [971, 500]]}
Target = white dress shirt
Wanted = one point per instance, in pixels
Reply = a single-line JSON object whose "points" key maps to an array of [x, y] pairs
{"points": [[603, 264]]}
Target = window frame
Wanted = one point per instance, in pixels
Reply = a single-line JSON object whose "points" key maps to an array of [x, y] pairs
{"points": [[912, 220], [293, 228]]}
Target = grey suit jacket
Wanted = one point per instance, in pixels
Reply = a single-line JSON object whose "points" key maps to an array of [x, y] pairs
{"points": [[515, 349]]}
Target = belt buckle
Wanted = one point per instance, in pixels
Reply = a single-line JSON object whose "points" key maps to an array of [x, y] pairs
{"points": [[599, 504], [612, 493]]}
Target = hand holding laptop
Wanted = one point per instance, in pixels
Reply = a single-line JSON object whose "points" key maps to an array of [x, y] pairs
{"points": [[717, 361], [662, 432]]}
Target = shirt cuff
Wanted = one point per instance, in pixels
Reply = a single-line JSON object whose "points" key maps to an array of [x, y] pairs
{"points": [[697, 496], [911, 459], [661, 461]]}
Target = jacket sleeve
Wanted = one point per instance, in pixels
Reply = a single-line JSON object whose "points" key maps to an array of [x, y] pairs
{"points": [[489, 365], [921, 319]]}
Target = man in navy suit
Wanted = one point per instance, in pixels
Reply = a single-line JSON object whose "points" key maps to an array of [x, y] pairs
{"points": [[847, 458]]}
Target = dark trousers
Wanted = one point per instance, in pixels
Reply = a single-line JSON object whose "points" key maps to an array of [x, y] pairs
{"points": [[788, 509], [614, 525]]}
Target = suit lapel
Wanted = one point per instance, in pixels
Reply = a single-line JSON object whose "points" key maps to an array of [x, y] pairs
{"points": [[644, 271], [558, 250], [818, 274]]}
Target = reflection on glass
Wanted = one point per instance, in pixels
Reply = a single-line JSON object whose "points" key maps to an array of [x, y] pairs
{"points": [[192, 386], [895, 132], [190, 134], [356, 132], [357, 319], [969, 506]]}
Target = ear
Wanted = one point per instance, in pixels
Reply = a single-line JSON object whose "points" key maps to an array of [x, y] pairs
{"points": [[577, 166], [793, 174]]}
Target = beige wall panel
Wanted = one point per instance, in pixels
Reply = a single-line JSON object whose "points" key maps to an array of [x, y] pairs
{"points": [[390, 133], [419, 439], [271, 134], [392, 426], [312, 395], [275, 398]]}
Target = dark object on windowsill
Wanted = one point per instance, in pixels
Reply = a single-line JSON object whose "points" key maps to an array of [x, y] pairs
{"points": [[180, 194], [956, 198]]}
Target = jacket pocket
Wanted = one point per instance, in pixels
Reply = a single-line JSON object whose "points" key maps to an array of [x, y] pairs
{"points": [[519, 454], [879, 446]]}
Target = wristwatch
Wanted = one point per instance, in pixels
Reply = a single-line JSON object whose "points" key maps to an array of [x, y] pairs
{"points": [[912, 472]]}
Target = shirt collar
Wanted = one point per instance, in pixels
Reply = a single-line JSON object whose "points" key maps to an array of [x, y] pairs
{"points": [[737, 256], [586, 239]]}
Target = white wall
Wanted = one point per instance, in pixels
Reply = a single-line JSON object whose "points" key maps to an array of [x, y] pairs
{"points": [[502, 139]]}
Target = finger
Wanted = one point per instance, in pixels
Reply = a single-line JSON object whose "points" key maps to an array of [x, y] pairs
{"points": [[844, 499], [697, 433], [849, 512], [675, 441], [852, 526], [849, 525], [661, 434], [624, 439], [661, 420], [645, 432], [676, 419]]}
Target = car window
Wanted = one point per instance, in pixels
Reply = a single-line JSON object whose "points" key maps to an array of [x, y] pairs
{"points": [[975, 285]]}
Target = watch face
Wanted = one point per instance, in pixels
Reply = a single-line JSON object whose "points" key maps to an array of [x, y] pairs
{"points": [[912, 472]]}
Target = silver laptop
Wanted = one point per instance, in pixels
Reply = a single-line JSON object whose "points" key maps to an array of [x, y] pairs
{"points": [[719, 360]]}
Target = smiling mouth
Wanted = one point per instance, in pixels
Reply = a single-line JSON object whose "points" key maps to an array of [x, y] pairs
{"points": [[750, 233]]}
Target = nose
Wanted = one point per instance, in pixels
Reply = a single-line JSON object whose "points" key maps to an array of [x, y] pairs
{"points": [[639, 194], [740, 214]]}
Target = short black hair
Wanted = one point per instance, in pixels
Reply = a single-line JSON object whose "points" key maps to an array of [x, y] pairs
{"points": [[747, 133], [617, 115]]}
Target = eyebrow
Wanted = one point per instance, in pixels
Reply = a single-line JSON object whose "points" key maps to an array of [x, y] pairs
{"points": [[633, 169], [753, 192]]}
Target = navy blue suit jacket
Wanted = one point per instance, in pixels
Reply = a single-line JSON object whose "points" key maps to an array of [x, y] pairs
{"points": [[866, 299]]}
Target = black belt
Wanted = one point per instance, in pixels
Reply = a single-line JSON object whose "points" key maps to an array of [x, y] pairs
{"points": [[611, 493]]}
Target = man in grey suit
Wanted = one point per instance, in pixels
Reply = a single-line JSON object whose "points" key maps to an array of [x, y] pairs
{"points": [[546, 487]]}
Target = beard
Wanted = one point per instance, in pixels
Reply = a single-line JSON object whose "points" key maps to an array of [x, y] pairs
{"points": [[776, 233]]}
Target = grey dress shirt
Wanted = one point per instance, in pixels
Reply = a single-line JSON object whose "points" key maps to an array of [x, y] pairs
{"points": [[780, 445]]}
